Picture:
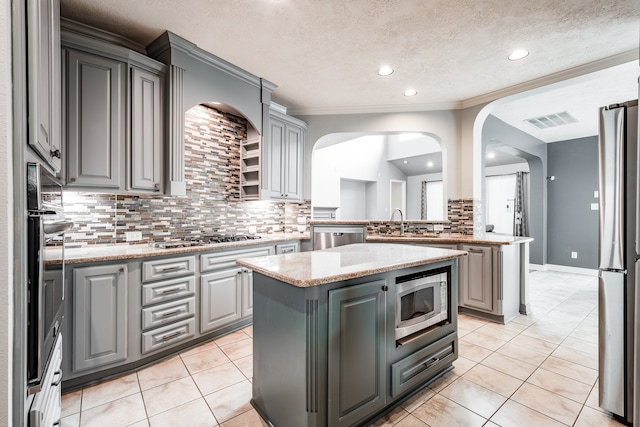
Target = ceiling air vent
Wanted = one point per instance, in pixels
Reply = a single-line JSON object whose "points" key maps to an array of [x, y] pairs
{"points": [[552, 120]]}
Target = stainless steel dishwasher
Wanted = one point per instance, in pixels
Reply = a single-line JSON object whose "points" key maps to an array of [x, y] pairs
{"points": [[330, 236]]}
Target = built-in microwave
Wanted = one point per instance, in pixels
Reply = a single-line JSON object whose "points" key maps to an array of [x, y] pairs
{"points": [[421, 301]]}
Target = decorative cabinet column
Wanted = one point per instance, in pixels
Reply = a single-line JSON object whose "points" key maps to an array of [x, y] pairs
{"points": [[175, 183]]}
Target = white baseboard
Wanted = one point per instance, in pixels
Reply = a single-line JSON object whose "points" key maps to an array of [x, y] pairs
{"points": [[564, 269]]}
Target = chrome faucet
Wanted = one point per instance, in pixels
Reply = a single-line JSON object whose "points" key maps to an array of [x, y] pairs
{"points": [[401, 219]]}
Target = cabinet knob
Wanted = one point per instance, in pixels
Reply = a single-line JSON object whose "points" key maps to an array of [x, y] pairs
{"points": [[121, 269], [55, 153], [385, 288]]}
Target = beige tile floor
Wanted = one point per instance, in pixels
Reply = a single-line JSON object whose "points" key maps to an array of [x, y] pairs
{"points": [[538, 370]]}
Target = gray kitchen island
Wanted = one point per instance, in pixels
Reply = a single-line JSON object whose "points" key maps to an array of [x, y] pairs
{"points": [[341, 336]]}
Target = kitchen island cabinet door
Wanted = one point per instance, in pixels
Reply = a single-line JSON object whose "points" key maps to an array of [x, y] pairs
{"points": [[220, 299], [95, 120], [476, 278], [99, 316], [357, 352]]}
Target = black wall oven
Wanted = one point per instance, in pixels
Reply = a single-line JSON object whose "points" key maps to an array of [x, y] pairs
{"points": [[45, 291]]}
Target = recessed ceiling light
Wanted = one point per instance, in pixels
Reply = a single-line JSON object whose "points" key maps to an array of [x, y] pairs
{"points": [[430, 164], [405, 161], [491, 155], [518, 54], [385, 70], [410, 92]]}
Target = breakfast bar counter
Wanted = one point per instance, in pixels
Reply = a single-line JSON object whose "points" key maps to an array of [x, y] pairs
{"points": [[314, 268], [342, 336]]}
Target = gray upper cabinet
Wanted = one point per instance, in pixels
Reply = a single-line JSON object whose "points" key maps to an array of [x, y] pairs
{"points": [[99, 316], [44, 102], [95, 120], [146, 130], [476, 278], [357, 352], [286, 156], [113, 116]]}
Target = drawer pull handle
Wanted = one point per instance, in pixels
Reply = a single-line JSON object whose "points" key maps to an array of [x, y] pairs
{"points": [[171, 313], [429, 363], [171, 291], [171, 269], [56, 382], [171, 336]]}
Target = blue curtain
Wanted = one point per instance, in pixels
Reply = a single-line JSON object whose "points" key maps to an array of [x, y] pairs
{"points": [[423, 202]]}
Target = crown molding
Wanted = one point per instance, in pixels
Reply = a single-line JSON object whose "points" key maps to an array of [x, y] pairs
{"points": [[575, 72], [372, 109], [579, 71]]}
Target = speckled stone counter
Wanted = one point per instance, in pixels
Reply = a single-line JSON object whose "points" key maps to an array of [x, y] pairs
{"points": [[305, 269], [97, 253], [486, 239]]}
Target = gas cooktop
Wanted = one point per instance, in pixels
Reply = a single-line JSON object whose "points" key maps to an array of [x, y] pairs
{"points": [[203, 240]]}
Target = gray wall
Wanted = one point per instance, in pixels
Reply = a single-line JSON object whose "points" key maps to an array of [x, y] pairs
{"points": [[533, 150], [573, 226]]}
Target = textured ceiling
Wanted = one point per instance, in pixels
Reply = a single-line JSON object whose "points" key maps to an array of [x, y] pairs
{"points": [[324, 54]]}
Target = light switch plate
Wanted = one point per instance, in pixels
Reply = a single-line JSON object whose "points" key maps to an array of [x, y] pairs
{"points": [[594, 206], [574, 255], [438, 227], [596, 194]]}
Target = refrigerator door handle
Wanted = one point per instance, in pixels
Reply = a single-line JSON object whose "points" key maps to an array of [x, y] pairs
{"points": [[612, 178], [611, 338]]}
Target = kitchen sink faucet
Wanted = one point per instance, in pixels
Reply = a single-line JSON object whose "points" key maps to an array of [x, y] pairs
{"points": [[401, 219]]}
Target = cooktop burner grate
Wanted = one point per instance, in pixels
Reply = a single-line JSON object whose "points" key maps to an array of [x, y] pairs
{"points": [[203, 240]]}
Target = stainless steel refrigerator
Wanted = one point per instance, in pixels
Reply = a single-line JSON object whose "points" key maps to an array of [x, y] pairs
{"points": [[618, 256]]}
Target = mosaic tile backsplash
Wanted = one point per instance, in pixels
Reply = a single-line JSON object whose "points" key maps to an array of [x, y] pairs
{"points": [[212, 203]]}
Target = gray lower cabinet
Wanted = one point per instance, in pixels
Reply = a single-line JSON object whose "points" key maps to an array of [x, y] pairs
{"points": [[95, 120], [168, 302], [357, 380], [287, 248], [476, 278], [220, 299], [226, 290], [99, 316]]}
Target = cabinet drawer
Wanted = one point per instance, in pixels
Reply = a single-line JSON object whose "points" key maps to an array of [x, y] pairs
{"points": [[167, 313], [423, 364], [168, 335], [227, 259], [168, 290], [167, 268], [287, 248]]}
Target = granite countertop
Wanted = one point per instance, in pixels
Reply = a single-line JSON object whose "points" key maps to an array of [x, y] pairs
{"points": [[306, 269], [486, 239], [97, 253]]}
